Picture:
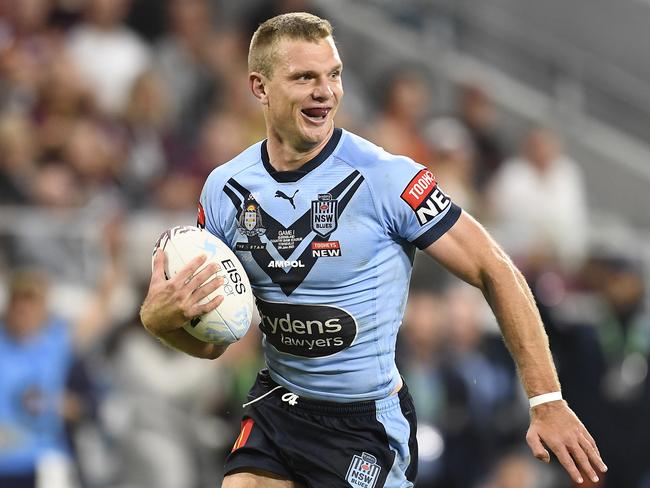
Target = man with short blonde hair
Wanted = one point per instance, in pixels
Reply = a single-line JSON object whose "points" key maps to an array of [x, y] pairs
{"points": [[326, 225]]}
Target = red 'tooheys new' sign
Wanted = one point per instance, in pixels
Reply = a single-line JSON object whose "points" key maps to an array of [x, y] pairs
{"points": [[419, 188]]}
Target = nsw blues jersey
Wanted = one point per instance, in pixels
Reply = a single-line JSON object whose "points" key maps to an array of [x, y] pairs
{"points": [[328, 249]]}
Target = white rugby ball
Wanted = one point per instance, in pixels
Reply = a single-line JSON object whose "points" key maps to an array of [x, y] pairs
{"points": [[232, 318]]}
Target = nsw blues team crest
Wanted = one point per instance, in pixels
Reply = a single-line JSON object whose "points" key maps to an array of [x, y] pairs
{"points": [[363, 471], [324, 215]]}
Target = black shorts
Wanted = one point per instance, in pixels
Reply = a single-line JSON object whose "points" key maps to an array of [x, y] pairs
{"points": [[368, 444]]}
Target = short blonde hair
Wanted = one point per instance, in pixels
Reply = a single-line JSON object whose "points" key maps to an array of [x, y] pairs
{"points": [[262, 55]]}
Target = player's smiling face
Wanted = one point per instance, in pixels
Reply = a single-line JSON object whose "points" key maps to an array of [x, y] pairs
{"points": [[304, 92]]}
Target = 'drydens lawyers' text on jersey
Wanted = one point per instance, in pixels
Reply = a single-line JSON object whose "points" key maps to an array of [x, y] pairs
{"points": [[328, 249]]}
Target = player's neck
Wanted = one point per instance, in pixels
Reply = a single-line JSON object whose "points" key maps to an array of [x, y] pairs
{"points": [[283, 156]]}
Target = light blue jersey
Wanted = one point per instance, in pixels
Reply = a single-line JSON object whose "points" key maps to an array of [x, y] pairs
{"points": [[33, 374], [328, 249]]}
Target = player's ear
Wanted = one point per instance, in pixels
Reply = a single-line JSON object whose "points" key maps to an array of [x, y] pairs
{"points": [[257, 83]]}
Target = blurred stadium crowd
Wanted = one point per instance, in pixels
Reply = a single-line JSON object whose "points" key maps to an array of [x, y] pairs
{"points": [[113, 112]]}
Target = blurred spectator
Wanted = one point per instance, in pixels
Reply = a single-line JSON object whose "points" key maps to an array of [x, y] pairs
{"points": [[26, 42], [28, 19], [161, 413], [484, 414], [454, 162], [92, 155], [17, 158], [64, 96], [477, 113], [420, 355], [240, 104], [538, 206], [222, 137], [183, 61], [624, 329], [19, 78], [177, 192], [109, 54], [35, 242], [600, 334], [423, 337], [35, 360], [55, 355], [404, 108], [146, 122], [54, 187], [465, 386]]}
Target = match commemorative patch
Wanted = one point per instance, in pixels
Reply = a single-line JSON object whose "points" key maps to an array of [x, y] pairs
{"points": [[363, 471], [424, 197]]}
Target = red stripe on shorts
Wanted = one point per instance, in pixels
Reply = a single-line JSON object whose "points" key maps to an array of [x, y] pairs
{"points": [[246, 428]]}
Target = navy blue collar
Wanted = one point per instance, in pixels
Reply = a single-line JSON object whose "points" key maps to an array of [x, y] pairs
{"points": [[315, 162]]}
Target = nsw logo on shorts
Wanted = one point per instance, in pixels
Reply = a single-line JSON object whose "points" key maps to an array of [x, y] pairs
{"points": [[363, 471]]}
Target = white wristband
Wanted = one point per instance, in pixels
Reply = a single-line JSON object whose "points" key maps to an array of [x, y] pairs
{"points": [[545, 398]]}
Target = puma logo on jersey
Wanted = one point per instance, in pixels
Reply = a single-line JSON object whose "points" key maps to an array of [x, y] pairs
{"points": [[281, 194]]}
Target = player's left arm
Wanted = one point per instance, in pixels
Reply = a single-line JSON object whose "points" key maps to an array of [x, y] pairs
{"points": [[470, 253]]}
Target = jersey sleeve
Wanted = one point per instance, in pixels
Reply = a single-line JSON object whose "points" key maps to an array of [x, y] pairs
{"points": [[412, 204], [208, 207]]}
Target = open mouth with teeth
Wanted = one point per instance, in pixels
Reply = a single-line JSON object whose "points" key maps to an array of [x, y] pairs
{"points": [[316, 114]]}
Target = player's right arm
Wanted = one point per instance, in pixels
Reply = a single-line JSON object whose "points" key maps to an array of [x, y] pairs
{"points": [[171, 303], [469, 252], [414, 208]]}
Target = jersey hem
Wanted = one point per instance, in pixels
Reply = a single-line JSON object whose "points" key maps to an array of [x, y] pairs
{"points": [[311, 395]]}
